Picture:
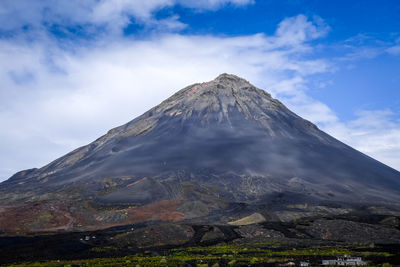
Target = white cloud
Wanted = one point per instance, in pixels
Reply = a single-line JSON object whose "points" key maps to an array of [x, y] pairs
{"points": [[112, 15], [296, 30], [394, 50], [374, 132], [212, 4], [364, 46]]}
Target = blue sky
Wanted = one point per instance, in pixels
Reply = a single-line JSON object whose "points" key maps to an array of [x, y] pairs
{"points": [[362, 24], [71, 70]]}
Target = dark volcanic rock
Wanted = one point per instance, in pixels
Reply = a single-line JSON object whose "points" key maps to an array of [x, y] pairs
{"points": [[353, 232], [207, 146], [214, 234], [153, 236]]}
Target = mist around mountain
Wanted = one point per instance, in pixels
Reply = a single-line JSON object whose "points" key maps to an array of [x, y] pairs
{"points": [[220, 152]]}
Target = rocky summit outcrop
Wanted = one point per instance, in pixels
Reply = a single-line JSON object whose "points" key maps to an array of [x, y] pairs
{"points": [[217, 151]]}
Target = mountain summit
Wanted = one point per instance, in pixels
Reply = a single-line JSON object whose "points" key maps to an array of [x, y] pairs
{"points": [[200, 154]]}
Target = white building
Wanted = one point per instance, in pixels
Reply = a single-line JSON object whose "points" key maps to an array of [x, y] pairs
{"points": [[345, 261]]}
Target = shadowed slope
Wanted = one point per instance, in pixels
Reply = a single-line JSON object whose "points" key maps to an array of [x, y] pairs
{"points": [[212, 144]]}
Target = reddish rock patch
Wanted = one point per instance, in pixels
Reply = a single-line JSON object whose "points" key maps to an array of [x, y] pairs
{"points": [[53, 217], [38, 217], [165, 210]]}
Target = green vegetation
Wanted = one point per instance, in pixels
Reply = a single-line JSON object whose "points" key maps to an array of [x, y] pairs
{"points": [[219, 255], [105, 249]]}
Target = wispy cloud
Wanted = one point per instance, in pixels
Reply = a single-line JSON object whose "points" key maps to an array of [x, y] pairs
{"points": [[364, 46], [394, 50], [374, 132], [110, 16]]}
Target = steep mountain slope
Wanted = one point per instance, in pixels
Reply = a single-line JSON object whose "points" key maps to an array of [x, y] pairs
{"points": [[196, 156]]}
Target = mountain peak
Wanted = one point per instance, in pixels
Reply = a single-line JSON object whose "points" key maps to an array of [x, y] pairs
{"points": [[229, 82], [220, 99], [229, 77], [223, 89], [233, 84]]}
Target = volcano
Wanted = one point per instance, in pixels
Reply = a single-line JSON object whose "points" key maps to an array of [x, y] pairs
{"points": [[210, 152]]}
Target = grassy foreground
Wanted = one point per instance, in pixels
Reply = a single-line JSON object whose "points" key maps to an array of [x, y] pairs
{"points": [[227, 255]]}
